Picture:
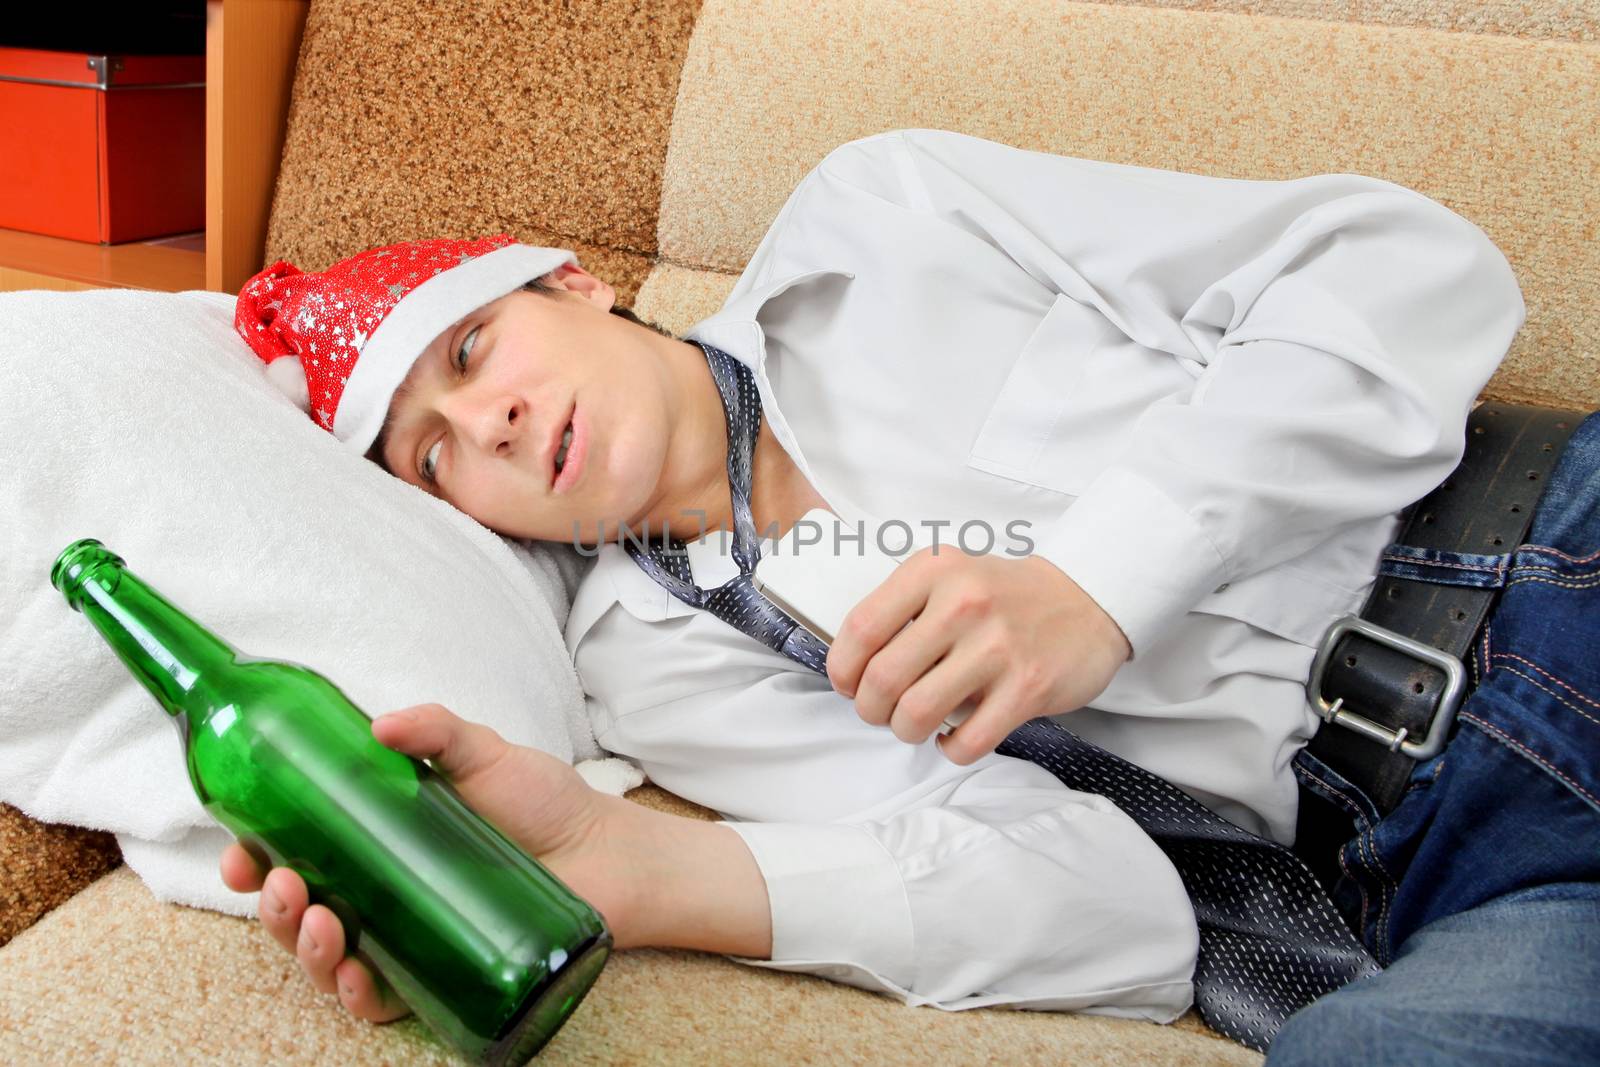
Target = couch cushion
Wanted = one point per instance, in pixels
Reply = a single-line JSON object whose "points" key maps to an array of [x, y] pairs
{"points": [[466, 117], [1498, 129], [115, 974], [43, 864], [1570, 21]]}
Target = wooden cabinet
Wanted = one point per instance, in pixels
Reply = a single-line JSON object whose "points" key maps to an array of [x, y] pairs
{"points": [[251, 47]]}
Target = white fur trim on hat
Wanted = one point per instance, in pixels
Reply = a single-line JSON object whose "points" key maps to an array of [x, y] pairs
{"points": [[289, 377], [418, 319]]}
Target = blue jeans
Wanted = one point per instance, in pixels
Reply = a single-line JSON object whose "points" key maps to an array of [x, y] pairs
{"points": [[1480, 891]]}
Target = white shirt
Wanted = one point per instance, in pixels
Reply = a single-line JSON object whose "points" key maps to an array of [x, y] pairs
{"points": [[1206, 398]]}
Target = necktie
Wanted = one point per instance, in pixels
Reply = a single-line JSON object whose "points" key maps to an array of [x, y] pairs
{"points": [[1270, 941]]}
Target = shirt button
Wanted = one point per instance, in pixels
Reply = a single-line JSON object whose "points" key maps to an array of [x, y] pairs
{"points": [[1223, 588]]}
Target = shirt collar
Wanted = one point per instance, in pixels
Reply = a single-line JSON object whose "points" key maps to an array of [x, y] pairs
{"points": [[735, 330]]}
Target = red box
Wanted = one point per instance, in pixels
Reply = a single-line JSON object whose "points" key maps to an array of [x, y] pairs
{"points": [[102, 148]]}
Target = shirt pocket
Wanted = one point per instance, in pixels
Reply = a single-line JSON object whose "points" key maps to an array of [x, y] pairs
{"points": [[1068, 406]]}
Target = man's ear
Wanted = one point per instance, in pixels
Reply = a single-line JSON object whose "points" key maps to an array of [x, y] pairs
{"points": [[574, 279]]}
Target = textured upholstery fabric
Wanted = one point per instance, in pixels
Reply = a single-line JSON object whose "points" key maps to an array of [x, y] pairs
{"points": [[1503, 131], [1559, 20], [114, 975], [44, 864], [584, 124], [462, 117]]}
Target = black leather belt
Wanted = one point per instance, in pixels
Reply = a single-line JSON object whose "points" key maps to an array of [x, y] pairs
{"points": [[1388, 684]]}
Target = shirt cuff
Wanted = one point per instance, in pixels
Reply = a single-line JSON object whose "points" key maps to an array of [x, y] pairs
{"points": [[835, 894], [1142, 558]]}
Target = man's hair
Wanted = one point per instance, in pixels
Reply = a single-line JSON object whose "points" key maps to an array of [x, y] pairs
{"points": [[538, 285]]}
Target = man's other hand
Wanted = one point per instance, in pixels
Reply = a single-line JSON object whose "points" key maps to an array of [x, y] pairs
{"points": [[1016, 636]]}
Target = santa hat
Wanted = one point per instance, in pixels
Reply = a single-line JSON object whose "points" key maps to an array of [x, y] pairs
{"points": [[341, 341]]}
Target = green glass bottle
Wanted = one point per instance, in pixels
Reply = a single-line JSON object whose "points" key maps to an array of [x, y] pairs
{"points": [[485, 945]]}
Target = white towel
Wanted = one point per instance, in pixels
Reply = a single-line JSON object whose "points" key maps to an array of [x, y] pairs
{"points": [[141, 419]]}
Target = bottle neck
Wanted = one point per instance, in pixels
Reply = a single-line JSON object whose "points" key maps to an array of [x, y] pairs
{"points": [[168, 652]]}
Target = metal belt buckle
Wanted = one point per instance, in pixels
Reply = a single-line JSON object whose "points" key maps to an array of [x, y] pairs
{"points": [[1394, 740]]}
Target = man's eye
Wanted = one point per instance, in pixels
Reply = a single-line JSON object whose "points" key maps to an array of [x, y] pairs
{"points": [[430, 462], [466, 349]]}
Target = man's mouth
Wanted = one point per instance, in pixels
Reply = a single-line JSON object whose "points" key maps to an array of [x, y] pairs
{"points": [[561, 453], [567, 462]]}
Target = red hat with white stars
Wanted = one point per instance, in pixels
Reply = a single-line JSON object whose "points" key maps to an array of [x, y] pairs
{"points": [[341, 341]]}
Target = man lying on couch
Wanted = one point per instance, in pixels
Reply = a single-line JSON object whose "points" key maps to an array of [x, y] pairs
{"points": [[1203, 401]]}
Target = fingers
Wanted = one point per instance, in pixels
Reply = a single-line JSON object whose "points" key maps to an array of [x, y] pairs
{"points": [[240, 872], [923, 708], [895, 668], [877, 618], [985, 728], [364, 995], [310, 932], [283, 902], [320, 947], [458, 748], [315, 936]]}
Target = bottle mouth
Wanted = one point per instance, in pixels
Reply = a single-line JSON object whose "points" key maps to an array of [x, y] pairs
{"points": [[75, 564]]}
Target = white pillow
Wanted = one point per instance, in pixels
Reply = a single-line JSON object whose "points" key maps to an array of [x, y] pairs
{"points": [[142, 420]]}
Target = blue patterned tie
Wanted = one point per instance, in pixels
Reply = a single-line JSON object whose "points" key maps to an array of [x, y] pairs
{"points": [[1270, 941]]}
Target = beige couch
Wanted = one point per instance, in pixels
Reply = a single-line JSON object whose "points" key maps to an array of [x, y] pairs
{"points": [[658, 139]]}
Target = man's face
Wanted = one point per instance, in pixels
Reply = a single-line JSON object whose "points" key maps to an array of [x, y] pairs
{"points": [[480, 417]]}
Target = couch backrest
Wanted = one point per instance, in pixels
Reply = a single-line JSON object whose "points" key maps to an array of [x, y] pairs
{"points": [[658, 139]]}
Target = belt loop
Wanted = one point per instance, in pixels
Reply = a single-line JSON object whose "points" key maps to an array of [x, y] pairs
{"points": [[1441, 567]]}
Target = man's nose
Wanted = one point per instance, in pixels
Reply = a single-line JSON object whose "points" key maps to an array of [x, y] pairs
{"points": [[497, 424]]}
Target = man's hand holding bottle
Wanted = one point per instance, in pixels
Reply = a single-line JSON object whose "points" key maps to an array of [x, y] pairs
{"points": [[539, 802]]}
